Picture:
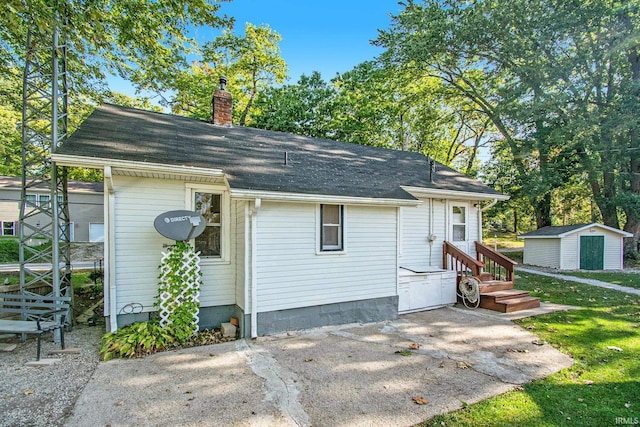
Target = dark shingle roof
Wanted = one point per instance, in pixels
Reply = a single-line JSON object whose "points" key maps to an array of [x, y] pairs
{"points": [[253, 159], [552, 230]]}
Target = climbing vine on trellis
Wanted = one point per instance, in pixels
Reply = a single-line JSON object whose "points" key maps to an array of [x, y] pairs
{"points": [[179, 290]]}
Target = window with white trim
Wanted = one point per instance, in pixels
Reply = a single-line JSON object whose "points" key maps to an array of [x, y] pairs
{"points": [[44, 200], [8, 228], [459, 223], [209, 243], [331, 228], [96, 232]]}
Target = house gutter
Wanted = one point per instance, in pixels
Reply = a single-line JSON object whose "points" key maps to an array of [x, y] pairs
{"points": [[110, 250], [276, 196], [254, 267]]}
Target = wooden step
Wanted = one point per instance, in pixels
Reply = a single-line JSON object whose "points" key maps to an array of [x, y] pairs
{"points": [[509, 305], [495, 285], [504, 294]]}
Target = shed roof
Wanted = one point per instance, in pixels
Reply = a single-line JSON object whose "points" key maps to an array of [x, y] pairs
{"points": [[559, 231], [15, 183], [254, 159]]}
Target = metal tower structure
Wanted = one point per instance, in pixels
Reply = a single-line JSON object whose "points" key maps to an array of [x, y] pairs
{"points": [[44, 218]]}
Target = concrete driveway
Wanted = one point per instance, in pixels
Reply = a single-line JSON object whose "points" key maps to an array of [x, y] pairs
{"points": [[353, 375]]}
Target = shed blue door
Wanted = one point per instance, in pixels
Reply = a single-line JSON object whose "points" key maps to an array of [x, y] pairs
{"points": [[591, 252]]}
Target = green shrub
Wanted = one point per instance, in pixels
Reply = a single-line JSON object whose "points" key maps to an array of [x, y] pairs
{"points": [[136, 340], [180, 285], [9, 251]]}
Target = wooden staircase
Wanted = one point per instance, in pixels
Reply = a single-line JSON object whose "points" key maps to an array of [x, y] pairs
{"points": [[495, 274]]}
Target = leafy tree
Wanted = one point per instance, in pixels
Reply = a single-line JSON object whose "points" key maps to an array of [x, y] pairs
{"points": [[552, 77], [251, 63], [142, 41], [304, 108]]}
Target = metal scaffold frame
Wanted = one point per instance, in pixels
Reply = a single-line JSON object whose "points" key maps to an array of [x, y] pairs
{"points": [[44, 220]]}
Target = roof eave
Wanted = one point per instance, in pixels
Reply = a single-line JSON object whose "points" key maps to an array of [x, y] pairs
{"points": [[319, 198], [453, 194], [133, 166]]}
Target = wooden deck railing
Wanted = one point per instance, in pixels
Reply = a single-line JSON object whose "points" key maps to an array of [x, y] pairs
{"points": [[500, 267], [463, 264]]}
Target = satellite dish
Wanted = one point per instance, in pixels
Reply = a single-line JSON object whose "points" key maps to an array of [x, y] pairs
{"points": [[180, 225]]}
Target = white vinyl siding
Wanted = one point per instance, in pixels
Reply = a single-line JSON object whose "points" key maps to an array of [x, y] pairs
{"points": [[139, 247], [542, 252], [292, 274], [238, 218], [568, 254], [415, 236]]}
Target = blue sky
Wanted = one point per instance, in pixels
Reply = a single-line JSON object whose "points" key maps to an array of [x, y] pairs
{"points": [[328, 36]]}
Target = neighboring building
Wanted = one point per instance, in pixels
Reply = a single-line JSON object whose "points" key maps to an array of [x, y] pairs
{"points": [[86, 212], [575, 247], [301, 232]]}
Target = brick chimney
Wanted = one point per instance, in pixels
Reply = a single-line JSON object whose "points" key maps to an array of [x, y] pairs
{"points": [[222, 105]]}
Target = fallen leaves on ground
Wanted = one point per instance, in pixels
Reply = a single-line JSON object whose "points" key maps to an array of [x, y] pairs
{"points": [[420, 400], [463, 365]]}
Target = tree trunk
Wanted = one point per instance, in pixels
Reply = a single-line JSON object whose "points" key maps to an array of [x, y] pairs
{"points": [[542, 208]]}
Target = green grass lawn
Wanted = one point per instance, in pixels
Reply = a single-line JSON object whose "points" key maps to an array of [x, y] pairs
{"points": [[623, 279], [503, 240], [603, 385]]}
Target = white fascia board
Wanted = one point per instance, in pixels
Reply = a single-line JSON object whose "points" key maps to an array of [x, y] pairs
{"points": [[435, 193], [128, 165], [586, 227], [318, 198]]}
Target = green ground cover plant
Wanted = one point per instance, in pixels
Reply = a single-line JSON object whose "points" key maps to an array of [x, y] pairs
{"points": [[602, 387], [9, 250]]}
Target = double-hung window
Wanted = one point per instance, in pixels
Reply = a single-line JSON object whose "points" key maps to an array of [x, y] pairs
{"points": [[332, 227], [209, 243], [8, 228]]}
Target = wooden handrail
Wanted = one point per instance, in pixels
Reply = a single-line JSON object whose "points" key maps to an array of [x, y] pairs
{"points": [[495, 263], [459, 260]]}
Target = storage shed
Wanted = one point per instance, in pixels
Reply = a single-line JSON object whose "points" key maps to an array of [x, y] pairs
{"points": [[575, 247]]}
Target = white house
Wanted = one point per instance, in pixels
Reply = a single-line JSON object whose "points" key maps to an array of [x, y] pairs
{"points": [[575, 247], [301, 232]]}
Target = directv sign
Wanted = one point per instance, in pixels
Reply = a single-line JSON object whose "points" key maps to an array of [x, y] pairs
{"points": [[180, 225]]}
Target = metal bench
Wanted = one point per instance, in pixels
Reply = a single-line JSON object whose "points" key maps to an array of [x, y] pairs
{"points": [[43, 314]]}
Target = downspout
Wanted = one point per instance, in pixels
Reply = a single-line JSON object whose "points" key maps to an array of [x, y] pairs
{"points": [[110, 250], [431, 237], [489, 206], [254, 268], [247, 262]]}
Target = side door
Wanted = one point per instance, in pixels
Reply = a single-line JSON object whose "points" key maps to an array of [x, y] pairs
{"points": [[591, 252]]}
